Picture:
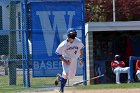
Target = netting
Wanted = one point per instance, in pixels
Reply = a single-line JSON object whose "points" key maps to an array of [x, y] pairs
{"points": [[11, 41], [29, 35]]}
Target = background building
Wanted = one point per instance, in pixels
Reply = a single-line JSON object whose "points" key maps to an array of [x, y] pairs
{"points": [[5, 25], [104, 40]]}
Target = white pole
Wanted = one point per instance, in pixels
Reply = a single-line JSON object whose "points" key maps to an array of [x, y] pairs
{"points": [[114, 14]]}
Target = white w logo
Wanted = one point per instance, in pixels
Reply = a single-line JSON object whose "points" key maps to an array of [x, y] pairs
{"points": [[50, 26]]}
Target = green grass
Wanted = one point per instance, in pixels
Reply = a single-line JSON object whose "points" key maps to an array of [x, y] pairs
{"points": [[35, 83], [43, 82], [110, 86], [11, 89]]}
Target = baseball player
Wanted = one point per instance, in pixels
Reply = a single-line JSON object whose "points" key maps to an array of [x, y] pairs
{"points": [[138, 69], [69, 51], [118, 67]]}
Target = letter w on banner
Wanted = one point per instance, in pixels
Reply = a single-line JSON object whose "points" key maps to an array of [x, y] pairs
{"points": [[49, 23]]}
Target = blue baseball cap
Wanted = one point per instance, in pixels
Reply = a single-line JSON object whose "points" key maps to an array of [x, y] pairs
{"points": [[71, 30], [71, 33]]}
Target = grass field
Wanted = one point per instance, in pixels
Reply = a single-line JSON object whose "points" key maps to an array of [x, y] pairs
{"points": [[111, 86], [35, 83], [38, 83]]}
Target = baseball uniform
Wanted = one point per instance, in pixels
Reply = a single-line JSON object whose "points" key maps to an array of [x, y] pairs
{"points": [[71, 52]]}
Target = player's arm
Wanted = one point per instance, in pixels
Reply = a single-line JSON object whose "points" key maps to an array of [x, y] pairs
{"points": [[81, 53], [59, 51], [113, 64], [64, 60], [122, 64]]}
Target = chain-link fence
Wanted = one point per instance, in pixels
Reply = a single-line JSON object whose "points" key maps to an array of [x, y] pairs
{"points": [[21, 29], [10, 41]]}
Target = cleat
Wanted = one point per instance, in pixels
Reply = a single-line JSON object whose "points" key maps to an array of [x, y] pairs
{"points": [[129, 81], [57, 80], [118, 83], [58, 91]]}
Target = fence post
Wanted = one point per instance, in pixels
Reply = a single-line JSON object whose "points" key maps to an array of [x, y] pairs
{"points": [[25, 29], [83, 39], [12, 44], [131, 58]]}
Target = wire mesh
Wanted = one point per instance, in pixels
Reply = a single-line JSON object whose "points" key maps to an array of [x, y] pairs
{"points": [[16, 35]]}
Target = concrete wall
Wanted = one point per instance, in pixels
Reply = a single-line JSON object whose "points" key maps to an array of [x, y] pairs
{"points": [[89, 57]]}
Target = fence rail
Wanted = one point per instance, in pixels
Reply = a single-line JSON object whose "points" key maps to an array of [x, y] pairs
{"points": [[17, 31]]}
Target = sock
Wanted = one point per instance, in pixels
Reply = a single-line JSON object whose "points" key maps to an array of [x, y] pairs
{"points": [[63, 83]]}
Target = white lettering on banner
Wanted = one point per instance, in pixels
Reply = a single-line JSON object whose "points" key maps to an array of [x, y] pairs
{"points": [[36, 65], [42, 65], [47, 65], [49, 27]]}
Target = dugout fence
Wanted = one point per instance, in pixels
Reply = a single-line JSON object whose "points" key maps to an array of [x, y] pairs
{"points": [[13, 37], [30, 31]]}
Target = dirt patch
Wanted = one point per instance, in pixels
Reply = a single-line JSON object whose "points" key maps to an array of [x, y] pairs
{"points": [[106, 91], [95, 91]]}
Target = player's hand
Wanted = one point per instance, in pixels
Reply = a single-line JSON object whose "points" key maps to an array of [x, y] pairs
{"points": [[81, 62], [67, 62]]}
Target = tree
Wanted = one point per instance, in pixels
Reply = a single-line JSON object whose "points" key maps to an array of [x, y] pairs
{"points": [[128, 10], [102, 10]]}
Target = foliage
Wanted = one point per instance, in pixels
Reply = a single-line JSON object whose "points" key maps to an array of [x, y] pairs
{"points": [[102, 10]]}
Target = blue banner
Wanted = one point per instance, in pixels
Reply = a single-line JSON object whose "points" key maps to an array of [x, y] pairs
{"points": [[49, 23]]}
